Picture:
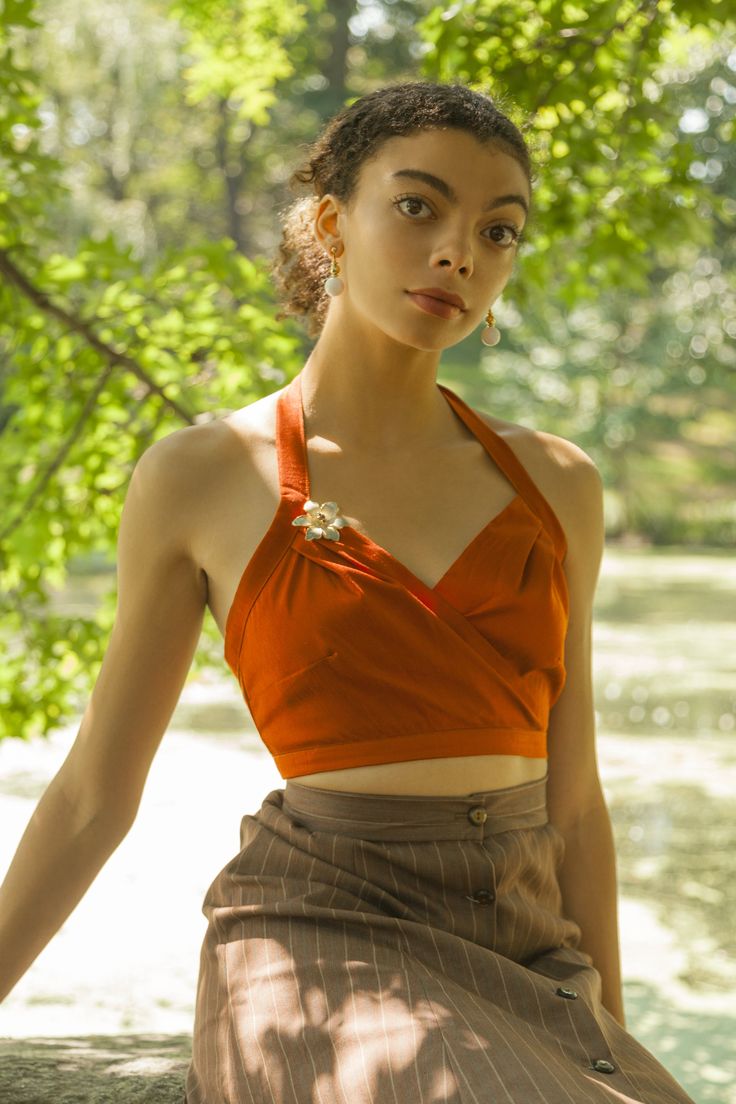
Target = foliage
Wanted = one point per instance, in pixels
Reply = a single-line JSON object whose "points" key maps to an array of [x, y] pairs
{"points": [[630, 355], [137, 197], [615, 182], [102, 356]]}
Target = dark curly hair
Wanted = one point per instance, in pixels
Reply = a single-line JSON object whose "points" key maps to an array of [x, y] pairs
{"points": [[350, 138]]}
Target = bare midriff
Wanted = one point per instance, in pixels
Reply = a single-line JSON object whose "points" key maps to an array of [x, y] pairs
{"points": [[456, 776]]}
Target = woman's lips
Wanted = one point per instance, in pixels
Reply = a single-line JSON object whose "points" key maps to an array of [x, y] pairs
{"points": [[434, 306]]}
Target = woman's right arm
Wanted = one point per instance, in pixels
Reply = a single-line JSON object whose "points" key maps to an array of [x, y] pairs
{"points": [[91, 803]]}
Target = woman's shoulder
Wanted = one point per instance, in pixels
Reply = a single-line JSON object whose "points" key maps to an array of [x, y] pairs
{"points": [[544, 449], [196, 448], [563, 471]]}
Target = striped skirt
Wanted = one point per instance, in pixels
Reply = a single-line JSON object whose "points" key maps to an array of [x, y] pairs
{"points": [[371, 949]]}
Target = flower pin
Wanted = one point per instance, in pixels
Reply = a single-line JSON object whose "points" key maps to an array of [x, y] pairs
{"points": [[322, 519]]}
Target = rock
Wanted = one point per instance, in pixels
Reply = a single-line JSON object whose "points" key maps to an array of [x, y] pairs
{"points": [[94, 1069]]}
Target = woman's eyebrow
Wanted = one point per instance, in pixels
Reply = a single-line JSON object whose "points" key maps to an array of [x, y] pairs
{"points": [[449, 192]]}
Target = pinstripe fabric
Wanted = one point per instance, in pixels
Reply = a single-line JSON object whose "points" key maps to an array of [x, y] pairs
{"points": [[371, 949]]}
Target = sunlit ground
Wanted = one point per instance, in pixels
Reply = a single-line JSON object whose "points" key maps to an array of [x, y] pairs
{"points": [[665, 690]]}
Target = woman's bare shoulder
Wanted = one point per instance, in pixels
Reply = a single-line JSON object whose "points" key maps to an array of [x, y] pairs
{"points": [[212, 465], [546, 450], [565, 474], [198, 451]]}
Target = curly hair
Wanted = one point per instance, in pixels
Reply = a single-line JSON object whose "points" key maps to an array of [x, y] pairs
{"points": [[335, 158]]}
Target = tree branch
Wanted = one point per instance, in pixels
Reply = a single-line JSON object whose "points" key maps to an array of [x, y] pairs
{"points": [[13, 274]]}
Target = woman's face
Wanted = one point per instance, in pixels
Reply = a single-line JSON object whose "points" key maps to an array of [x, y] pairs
{"points": [[402, 233]]}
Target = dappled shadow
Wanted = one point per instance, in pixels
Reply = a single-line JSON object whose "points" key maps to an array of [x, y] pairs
{"points": [[404, 1036], [696, 1047], [94, 1069], [675, 853]]}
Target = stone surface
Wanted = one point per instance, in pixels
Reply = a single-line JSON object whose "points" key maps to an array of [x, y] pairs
{"points": [[94, 1069]]}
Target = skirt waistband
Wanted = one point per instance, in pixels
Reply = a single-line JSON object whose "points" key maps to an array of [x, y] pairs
{"points": [[417, 817]]}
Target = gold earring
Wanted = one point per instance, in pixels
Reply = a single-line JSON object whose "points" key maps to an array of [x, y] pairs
{"points": [[491, 335], [333, 284]]}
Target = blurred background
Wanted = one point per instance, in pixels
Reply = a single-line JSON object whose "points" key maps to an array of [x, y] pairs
{"points": [[145, 150]]}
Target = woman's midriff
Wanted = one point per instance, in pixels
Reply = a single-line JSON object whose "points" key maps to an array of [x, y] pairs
{"points": [[457, 776]]}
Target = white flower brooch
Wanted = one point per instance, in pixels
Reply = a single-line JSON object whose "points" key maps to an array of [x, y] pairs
{"points": [[322, 520]]}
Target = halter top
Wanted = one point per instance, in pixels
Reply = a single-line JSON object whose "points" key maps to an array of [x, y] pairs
{"points": [[346, 659]]}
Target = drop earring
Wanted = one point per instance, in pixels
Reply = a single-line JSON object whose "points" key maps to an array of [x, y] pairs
{"points": [[491, 335], [333, 284]]}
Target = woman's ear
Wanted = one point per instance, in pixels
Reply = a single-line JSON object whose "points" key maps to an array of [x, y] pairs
{"points": [[326, 221]]}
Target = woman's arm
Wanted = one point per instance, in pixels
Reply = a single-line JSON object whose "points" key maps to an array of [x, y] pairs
{"points": [[56, 861], [588, 884], [91, 803], [575, 800]]}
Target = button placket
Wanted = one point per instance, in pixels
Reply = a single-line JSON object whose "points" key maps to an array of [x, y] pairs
{"points": [[478, 816], [600, 1065]]}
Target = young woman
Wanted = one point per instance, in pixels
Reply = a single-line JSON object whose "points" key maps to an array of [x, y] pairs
{"points": [[426, 911]]}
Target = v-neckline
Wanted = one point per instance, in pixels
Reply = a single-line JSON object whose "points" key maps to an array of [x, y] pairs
{"points": [[294, 469], [382, 556]]}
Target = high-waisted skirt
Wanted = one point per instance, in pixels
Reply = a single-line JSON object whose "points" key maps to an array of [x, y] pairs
{"points": [[371, 949]]}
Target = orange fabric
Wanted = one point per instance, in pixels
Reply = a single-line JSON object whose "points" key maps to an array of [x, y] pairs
{"points": [[346, 659]]}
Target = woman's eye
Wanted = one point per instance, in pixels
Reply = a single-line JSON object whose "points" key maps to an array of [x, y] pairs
{"points": [[515, 234], [409, 199]]}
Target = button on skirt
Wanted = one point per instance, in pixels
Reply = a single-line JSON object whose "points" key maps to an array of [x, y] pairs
{"points": [[372, 949]]}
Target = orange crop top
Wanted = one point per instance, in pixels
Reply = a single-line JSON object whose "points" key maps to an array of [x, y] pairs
{"points": [[346, 659]]}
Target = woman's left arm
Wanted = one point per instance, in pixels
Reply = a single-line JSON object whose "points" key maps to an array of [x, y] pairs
{"points": [[575, 800]]}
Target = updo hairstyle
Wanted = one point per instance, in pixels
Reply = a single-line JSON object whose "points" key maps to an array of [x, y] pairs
{"points": [[335, 159]]}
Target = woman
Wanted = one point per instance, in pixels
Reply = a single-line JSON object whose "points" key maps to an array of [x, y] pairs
{"points": [[394, 927], [427, 910]]}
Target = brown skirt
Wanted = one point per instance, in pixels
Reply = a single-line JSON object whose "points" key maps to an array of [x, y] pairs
{"points": [[371, 949]]}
